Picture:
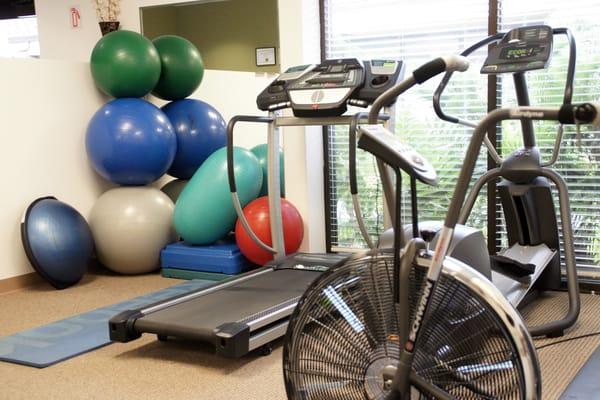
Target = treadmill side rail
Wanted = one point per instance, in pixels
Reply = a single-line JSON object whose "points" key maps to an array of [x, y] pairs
{"points": [[121, 326], [237, 316], [232, 339]]}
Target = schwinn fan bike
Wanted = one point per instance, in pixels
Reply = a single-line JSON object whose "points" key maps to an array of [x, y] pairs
{"points": [[359, 333]]}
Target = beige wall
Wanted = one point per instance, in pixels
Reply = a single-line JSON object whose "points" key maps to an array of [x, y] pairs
{"points": [[58, 40], [44, 125], [43, 154], [227, 33], [158, 21]]}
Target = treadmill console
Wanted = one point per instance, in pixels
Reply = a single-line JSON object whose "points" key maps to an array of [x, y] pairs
{"points": [[384, 145], [275, 96], [380, 75], [326, 89], [521, 49]]}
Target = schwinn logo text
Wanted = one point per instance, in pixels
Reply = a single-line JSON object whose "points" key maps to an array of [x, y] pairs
{"points": [[420, 311]]}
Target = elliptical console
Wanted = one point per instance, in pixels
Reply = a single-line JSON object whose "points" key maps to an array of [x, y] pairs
{"points": [[520, 50]]}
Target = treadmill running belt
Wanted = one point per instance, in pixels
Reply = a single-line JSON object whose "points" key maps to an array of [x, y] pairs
{"points": [[197, 318]]}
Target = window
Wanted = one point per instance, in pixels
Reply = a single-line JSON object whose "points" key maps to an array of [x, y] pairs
{"points": [[19, 37], [418, 31], [579, 161], [406, 31]]}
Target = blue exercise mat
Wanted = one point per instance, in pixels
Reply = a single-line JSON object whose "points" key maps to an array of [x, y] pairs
{"points": [[61, 340]]}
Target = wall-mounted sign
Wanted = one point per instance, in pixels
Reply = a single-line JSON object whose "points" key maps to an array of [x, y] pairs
{"points": [[75, 17], [265, 56]]}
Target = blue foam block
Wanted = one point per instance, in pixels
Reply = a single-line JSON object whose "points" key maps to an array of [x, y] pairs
{"points": [[223, 258], [61, 340]]}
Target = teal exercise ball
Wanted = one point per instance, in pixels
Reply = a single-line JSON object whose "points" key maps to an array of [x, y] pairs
{"points": [[261, 152], [182, 67], [125, 64], [204, 212]]}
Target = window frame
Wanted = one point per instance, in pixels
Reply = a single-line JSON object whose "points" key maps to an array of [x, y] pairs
{"points": [[494, 85]]}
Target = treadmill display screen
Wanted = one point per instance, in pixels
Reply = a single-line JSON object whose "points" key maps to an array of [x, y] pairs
{"points": [[518, 53], [383, 63], [298, 68]]}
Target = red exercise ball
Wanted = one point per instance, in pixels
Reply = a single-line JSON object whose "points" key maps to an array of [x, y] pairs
{"points": [[257, 214]]}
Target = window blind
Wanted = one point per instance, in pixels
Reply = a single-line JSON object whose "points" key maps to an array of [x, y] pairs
{"points": [[414, 32], [579, 161]]}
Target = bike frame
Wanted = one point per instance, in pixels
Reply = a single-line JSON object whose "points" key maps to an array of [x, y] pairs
{"points": [[404, 378]]}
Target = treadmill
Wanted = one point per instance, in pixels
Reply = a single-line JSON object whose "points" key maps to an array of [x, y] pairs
{"points": [[251, 310]]}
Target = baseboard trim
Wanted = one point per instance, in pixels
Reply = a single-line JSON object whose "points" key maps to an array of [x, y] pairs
{"points": [[19, 282]]}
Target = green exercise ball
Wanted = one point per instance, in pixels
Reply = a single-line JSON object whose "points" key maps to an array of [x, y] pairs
{"points": [[260, 152], [182, 67], [204, 212], [125, 64]]}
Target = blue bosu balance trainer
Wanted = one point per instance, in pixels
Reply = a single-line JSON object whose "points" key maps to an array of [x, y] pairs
{"points": [[214, 262]]}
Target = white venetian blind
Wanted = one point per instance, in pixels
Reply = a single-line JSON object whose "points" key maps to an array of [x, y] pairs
{"points": [[579, 160], [414, 32]]}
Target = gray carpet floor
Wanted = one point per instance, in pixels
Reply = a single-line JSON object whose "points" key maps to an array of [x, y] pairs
{"points": [[148, 369]]}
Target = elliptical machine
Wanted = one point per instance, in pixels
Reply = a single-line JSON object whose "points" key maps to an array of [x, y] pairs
{"points": [[531, 263]]}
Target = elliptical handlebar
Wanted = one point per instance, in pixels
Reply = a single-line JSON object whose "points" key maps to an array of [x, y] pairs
{"points": [[567, 97], [420, 75], [568, 94], [442, 86], [584, 113]]}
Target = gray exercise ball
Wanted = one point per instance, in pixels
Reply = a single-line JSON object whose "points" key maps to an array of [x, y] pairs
{"points": [[173, 188], [130, 226]]}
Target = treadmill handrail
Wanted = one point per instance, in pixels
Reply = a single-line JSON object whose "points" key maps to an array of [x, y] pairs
{"points": [[352, 121], [231, 176]]}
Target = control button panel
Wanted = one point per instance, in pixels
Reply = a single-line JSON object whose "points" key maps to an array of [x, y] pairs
{"points": [[383, 144]]}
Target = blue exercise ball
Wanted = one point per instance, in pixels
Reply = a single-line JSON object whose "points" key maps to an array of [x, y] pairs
{"points": [[130, 142], [57, 241], [200, 131]]}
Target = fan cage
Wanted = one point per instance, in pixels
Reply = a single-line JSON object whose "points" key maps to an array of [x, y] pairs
{"points": [[344, 334]]}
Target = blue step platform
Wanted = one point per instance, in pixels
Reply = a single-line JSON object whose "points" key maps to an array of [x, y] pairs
{"points": [[221, 258]]}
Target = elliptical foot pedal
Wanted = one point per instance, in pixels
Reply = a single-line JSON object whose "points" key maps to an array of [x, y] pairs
{"points": [[522, 263], [512, 268]]}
